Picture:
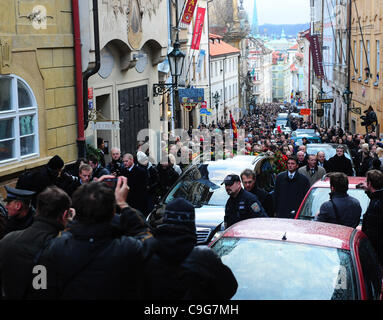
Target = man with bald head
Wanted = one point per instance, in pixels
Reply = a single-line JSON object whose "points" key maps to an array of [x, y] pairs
{"points": [[322, 162], [115, 166], [302, 161]]}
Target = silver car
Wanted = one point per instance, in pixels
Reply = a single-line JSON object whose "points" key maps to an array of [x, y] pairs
{"points": [[201, 185]]}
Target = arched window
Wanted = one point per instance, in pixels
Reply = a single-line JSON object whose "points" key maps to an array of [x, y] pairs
{"points": [[18, 120]]}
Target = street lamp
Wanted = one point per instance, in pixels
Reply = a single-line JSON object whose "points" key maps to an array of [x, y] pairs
{"points": [[216, 97], [176, 60], [347, 98]]}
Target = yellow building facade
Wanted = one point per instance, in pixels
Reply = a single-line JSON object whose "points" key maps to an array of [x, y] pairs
{"points": [[37, 85], [366, 62]]}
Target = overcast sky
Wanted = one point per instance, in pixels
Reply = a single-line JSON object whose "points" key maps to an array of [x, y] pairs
{"points": [[279, 11]]}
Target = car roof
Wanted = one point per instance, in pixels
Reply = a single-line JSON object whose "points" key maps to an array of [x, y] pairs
{"points": [[352, 182], [297, 231]]}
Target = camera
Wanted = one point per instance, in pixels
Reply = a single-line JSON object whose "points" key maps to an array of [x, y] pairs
{"points": [[111, 182]]}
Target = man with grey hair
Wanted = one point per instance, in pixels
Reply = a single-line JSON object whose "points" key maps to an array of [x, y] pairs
{"points": [[302, 161], [116, 165], [339, 162], [312, 171]]}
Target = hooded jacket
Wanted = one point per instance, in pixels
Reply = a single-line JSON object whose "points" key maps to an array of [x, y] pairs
{"points": [[180, 271]]}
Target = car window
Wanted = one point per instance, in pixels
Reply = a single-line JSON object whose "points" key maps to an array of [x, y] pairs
{"points": [[201, 185], [269, 270], [317, 196], [372, 274], [328, 151]]}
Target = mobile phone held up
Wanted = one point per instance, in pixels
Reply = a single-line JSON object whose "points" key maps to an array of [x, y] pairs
{"points": [[111, 182]]}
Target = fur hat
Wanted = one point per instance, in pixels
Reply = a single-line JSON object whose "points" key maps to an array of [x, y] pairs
{"points": [[179, 211], [56, 163]]}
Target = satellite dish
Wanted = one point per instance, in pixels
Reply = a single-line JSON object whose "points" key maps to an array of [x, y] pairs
{"points": [[141, 62]]}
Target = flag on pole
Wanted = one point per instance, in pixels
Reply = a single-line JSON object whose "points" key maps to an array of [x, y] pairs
{"points": [[233, 126], [189, 11], [199, 20]]}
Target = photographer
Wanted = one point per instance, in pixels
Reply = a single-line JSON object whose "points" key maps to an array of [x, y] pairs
{"points": [[94, 259], [18, 249]]}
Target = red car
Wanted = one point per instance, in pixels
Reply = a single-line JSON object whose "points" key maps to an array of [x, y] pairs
{"points": [[319, 193], [285, 259]]}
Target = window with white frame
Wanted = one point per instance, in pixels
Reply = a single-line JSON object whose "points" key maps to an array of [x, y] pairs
{"points": [[18, 120]]}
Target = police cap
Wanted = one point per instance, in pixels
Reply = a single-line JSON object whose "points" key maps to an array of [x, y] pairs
{"points": [[230, 179], [18, 194]]}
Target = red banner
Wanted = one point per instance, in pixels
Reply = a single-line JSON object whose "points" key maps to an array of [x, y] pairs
{"points": [[316, 55], [305, 112], [233, 126], [189, 11], [200, 17]]}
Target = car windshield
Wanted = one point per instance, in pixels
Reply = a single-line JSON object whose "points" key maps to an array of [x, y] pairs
{"points": [[317, 196], [201, 185], [329, 151], [275, 270]]}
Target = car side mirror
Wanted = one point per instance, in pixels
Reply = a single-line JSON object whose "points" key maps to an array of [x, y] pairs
{"points": [[292, 214]]}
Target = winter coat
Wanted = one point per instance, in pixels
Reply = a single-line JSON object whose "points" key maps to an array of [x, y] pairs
{"points": [[318, 173], [137, 182], [99, 172], [180, 271], [17, 253], [347, 210], [372, 224], [167, 177], [15, 223], [340, 164], [99, 261], [115, 167], [363, 164], [289, 193], [266, 200]]}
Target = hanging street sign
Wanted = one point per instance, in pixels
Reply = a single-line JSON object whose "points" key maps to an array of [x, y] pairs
{"points": [[305, 112], [324, 100], [320, 113], [105, 125]]}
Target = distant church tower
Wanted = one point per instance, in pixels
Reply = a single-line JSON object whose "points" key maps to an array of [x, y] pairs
{"points": [[254, 26]]}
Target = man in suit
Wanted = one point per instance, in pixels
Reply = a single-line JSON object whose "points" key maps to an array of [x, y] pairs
{"points": [[312, 171], [290, 189], [137, 182], [322, 162]]}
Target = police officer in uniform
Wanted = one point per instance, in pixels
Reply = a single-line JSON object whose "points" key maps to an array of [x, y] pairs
{"points": [[242, 204], [20, 212]]}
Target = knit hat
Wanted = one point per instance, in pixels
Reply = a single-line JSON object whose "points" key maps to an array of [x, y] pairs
{"points": [[142, 158], [56, 163], [179, 211]]}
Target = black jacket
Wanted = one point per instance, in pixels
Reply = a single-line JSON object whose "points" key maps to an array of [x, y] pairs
{"points": [[347, 210], [372, 224], [99, 172], [99, 261], [289, 194], [167, 177], [15, 224], [115, 167], [244, 206], [363, 164], [178, 270], [340, 164], [137, 182], [266, 200], [18, 250]]}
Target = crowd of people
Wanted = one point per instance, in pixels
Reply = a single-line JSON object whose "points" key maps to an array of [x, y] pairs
{"points": [[102, 208]]}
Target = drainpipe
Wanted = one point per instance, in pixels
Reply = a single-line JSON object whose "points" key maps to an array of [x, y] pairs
{"points": [[78, 79], [87, 74]]}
